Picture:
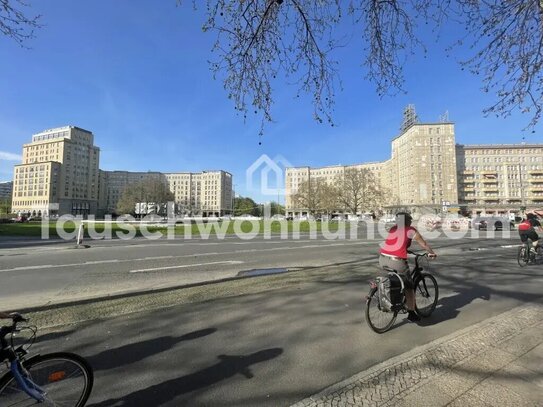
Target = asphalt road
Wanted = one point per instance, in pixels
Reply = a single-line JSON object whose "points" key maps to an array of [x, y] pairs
{"points": [[280, 345], [55, 272]]}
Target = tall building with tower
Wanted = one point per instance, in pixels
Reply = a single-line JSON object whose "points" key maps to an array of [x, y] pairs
{"points": [[428, 171]]}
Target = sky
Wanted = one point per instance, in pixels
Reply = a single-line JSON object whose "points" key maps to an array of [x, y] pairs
{"points": [[136, 74]]}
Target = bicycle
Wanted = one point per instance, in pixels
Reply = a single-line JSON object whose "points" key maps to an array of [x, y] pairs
{"points": [[525, 255], [55, 379], [381, 312]]}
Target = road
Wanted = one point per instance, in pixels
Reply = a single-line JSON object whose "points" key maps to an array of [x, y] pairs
{"points": [[56, 272], [280, 345]]}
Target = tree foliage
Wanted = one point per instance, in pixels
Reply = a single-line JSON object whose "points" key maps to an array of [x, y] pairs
{"points": [[246, 206], [5, 206], [258, 40], [15, 23], [315, 195], [150, 191], [358, 190]]}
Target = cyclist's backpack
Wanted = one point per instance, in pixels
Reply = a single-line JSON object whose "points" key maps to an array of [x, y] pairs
{"points": [[525, 226], [395, 289]]}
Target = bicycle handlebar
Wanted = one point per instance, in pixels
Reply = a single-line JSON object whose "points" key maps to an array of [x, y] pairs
{"points": [[16, 318], [417, 254]]}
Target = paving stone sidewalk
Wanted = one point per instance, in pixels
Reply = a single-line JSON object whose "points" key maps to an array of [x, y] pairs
{"points": [[497, 362]]}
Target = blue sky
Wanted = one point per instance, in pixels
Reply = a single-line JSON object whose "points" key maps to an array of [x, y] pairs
{"points": [[135, 73]]}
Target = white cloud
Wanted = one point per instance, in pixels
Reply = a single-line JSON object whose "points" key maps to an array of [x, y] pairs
{"points": [[10, 156]]}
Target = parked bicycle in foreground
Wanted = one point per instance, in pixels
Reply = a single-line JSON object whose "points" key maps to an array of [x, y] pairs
{"points": [[54, 379], [387, 296]]}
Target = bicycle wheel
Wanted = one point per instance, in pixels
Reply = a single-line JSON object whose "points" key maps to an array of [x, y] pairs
{"points": [[379, 320], [426, 294], [66, 378], [523, 256]]}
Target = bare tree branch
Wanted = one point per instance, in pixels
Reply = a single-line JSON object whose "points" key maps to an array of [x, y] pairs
{"points": [[14, 23]]}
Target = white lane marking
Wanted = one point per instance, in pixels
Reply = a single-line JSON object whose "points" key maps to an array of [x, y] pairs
{"points": [[100, 262], [42, 266], [187, 265]]}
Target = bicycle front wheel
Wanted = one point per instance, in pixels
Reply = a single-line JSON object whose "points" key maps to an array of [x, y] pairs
{"points": [[523, 256], [66, 379], [426, 294], [377, 318]]}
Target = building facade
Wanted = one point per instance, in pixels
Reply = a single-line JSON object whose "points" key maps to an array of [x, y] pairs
{"points": [[428, 171], [208, 193], [500, 178], [60, 175], [421, 172]]}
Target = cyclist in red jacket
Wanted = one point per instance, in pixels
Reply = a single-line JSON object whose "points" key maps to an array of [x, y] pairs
{"points": [[394, 255], [528, 229]]}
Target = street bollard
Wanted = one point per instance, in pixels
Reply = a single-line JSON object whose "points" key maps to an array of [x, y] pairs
{"points": [[80, 235]]}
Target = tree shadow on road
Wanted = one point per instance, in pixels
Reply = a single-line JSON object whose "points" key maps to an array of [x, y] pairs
{"points": [[127, 354], [226, 367], [449, 307]]}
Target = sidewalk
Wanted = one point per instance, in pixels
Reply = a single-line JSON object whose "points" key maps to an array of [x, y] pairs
{"points": [[497, 362]]}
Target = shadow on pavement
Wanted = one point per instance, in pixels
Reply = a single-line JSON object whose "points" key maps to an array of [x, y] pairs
{"points": [[449, 307], [127, 354], [164, 392]]}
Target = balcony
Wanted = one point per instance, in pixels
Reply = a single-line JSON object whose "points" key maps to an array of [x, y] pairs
{"points": [[489, 181], [490, 198], [469, 189], [469, 198], [490, 189], [536, 189], [468, 172], [535, 172]]}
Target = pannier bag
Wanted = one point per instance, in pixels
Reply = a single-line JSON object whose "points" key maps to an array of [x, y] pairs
{"points": [[395, 289], [383, 287]]}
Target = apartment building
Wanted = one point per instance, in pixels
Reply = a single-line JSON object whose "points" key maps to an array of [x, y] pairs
{"points": [[59, 174], [500, 178], [428, 170], [421, 172], [208, 193], [113, 184], [294, 177]]}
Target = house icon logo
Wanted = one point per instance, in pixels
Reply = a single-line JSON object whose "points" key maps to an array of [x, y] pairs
{"points": [[268, 168]]}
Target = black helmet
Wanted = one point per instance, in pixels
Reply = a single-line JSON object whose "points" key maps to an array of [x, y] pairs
{"points": [[404, 219], [531, 216]]}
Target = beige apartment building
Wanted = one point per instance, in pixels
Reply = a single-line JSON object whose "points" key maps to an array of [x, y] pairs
{"points": [[420, 175], [428, 172], [113, 183], [500, 179], [60, 175], [207, 193]]}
